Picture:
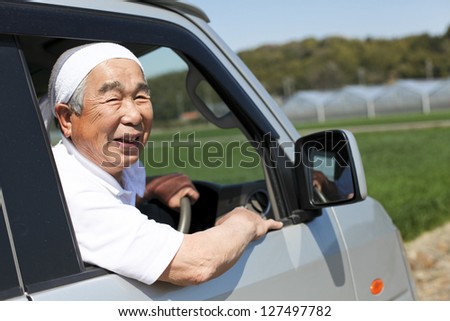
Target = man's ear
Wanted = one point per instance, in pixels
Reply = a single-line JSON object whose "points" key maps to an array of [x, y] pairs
{"points": [[63, 114]]}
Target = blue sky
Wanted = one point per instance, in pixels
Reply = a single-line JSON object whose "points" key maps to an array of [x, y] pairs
{"points": [[246, 24]]}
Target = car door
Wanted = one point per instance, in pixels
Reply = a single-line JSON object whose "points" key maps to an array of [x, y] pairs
{"points": [[301, 261]]}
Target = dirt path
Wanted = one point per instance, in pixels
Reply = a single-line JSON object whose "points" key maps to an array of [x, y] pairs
{"points": [[429, 257], [401, 126]]}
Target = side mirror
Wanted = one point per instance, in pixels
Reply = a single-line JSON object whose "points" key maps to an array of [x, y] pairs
{"points": [[329, 170]]}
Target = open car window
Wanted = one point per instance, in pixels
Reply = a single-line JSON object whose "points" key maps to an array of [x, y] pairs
{"points": [[188, 115], [184, 137]]}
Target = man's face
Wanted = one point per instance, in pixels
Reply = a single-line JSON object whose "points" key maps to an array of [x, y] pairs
{"points": [[117, 116]]}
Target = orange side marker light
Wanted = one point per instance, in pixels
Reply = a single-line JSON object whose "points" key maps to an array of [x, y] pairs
{"points": [[377, 286]]}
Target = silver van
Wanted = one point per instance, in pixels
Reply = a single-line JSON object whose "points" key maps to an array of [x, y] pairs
{"points": [[333, 246]]}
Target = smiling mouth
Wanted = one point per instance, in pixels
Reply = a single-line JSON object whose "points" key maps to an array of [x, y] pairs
{"points": [[129, 140]]}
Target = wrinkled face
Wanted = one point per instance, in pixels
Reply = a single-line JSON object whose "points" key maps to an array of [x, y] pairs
{"points": [[116, 118]]}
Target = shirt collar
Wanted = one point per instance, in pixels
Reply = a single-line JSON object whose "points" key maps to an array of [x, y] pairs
{"points": [[133, 177]]}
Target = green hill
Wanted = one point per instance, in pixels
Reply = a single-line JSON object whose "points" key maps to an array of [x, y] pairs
{"points": [[335, 62]]}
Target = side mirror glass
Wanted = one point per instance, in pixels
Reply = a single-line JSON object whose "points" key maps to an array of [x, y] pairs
{"points": [[329, 170]]}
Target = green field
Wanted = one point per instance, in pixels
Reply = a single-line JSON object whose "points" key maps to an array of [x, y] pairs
{"points": [[406, 170], [409, 172]]}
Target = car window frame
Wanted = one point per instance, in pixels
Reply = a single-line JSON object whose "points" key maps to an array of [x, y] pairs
{"points": [[135, 30], [9, 278], [41, 230]]}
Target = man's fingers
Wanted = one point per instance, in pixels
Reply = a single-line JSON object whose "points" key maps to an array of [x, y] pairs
{"points": [[175, 201], [171, 188], [274, 225]]}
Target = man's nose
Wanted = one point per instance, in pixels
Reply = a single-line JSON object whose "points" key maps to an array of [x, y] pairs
{"points": [[132, 115]]}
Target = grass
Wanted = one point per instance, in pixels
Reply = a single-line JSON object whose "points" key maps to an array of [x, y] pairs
{"points": [[407, 171], [204, 154]]}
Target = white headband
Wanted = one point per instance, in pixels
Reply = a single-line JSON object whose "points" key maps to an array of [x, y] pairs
{"points": [[76, 63]]}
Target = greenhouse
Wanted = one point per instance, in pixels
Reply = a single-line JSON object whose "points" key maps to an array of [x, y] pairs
{"points": [[403, 96]]}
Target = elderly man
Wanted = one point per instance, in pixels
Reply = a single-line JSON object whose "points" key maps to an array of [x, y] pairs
{"points": [[102, 103]]}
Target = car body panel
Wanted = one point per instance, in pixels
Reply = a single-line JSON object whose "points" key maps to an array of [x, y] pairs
{"points": [[295, 255], [288, 268], [373, 255]]}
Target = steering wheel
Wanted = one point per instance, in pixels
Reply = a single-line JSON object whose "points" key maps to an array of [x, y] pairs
{"points": [[185, 215], [319, 196]]}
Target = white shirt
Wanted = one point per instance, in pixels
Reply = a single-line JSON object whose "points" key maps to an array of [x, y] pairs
{"points": [[111, 232]]}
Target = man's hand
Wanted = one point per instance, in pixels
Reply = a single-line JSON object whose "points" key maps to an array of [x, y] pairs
{"points": [[241, 216], [170, 189]]}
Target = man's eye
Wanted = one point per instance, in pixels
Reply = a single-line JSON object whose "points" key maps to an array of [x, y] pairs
{"points": [[142, 97], [112, 100]]}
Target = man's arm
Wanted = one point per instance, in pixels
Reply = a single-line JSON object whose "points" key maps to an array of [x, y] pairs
{"points": [[207, 254]]}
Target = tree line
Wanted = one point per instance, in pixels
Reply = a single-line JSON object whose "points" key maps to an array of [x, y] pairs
{"points": [[335, 61]]}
